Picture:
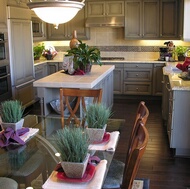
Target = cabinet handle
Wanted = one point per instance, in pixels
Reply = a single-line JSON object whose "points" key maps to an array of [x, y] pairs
{"points": [[137, 66], [137, 75], [137, 89], [169, 89]]}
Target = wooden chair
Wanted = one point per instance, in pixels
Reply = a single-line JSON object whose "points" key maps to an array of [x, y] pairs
{"points": [[66, 94], [143, 114], [122, 177], [8, 183]]}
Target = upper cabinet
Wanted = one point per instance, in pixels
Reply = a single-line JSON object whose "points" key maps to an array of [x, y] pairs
{"points": [[152, 19], [169, 19], [3, 18], [64, 31], [105, 8], [141, 19]]}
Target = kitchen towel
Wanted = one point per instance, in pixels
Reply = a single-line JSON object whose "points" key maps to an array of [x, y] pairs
{"points": [[96, 182], [109, 146]]}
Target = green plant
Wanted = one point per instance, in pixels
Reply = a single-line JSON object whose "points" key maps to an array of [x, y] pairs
{"points": [[72, 144], [11, 111], [84, 55], [180, 50], [38, 50], [97, 115]]}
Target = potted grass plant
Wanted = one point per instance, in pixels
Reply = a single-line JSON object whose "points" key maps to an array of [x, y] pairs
{"points": [[38, 49], [11, 114], [84, 56], [72, 144], [97, 116]]}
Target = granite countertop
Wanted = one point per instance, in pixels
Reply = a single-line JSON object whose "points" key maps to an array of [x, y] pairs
{"points": [[175, 81], [60, 79]]}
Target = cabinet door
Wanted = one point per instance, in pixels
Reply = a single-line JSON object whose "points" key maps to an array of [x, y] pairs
{"points": [[95, 9], [133, 20], [20, 39], [150, 19], [157, 79], [118, 80], [114, 8], [3, 18], [52, 67], [168, 19]]}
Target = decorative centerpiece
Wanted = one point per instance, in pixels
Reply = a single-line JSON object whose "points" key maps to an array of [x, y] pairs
{"points": [[11, 114], [49, 53], [97, 116], [37, 50], [84, 56], [72, 144]]}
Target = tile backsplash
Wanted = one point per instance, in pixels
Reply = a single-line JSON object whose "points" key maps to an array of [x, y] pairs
{"points": [[111, 42]]}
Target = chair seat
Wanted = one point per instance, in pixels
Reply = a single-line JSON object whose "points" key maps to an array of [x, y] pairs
{"points": [[7, 183], [115, 176]]}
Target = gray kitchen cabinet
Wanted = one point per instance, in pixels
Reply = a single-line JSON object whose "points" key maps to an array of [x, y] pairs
{"points": [[21, 56], [52, 67], [142, 19], [3, 16], [169, 19], [65, 31], [157, 79], [40, 71], [105, 8], [175, 113], [117, 77], [153, 19], [137, 79]]}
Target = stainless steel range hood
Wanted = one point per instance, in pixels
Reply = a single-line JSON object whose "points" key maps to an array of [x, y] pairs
{"points": [[108, 21]]}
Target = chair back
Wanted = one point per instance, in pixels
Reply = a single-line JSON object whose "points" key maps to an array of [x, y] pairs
{"points": [[142, 113], [138, 147], [81, 94]]}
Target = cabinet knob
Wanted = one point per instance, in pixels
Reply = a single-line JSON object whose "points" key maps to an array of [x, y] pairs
{"points": [[137, 75], [137, 66], [137, 89]]}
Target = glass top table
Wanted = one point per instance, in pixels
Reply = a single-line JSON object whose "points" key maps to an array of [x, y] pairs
{"points": [[16, 159]]}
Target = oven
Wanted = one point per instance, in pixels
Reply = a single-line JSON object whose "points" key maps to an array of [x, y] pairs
{"points": [[5, 83]]}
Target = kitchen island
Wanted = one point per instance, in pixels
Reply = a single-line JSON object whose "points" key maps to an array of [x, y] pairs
{"points": [[99, 77], [176, 109]]}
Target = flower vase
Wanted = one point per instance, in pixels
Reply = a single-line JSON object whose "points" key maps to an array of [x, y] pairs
{"points": [[74, 41]]}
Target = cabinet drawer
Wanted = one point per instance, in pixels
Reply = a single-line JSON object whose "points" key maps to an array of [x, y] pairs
{"points": [[138, 66], [137, 88], [136, 75], [39, 67]]}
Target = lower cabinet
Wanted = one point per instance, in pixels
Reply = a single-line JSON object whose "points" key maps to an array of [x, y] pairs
{"points": [[157, 79], [24, 93], [137, 79], [175, 112]]}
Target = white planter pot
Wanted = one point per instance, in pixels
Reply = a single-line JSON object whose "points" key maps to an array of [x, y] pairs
{"points": [[75, 170], [96, 135], [15, 126]]}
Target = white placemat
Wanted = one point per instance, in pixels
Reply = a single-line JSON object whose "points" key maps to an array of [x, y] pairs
{"points": [[96, 183], [30, 133], [109, 146]]}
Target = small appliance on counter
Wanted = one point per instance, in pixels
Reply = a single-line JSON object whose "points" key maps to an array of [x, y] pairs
{"points": [[167, 51]]}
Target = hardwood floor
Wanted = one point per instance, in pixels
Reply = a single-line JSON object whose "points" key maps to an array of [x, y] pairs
{"points": [[158, 163]]}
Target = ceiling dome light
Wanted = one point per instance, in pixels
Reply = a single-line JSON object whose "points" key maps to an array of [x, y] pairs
{"points": [[55, 11]]}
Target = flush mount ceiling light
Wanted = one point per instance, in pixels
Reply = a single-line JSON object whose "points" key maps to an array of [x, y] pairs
{"points": [[55, 11]]}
